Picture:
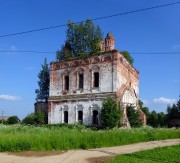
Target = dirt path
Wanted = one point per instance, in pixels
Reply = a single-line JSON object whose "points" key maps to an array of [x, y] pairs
{"points": [[83, 156]]}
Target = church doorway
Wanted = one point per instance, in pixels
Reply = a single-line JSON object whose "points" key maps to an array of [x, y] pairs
{"points": [[65, 116]]}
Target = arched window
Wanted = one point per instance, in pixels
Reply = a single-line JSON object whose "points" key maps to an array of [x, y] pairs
{"points": [[95, 77], [81, 81], [80, 78], [66, 80]]}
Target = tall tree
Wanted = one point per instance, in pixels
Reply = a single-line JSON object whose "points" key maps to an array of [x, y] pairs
{"points": [[82, 39], [43, 91], [173, 112], [133, 117], [144, 109], [153, 119], [162, 119], [65, 52], [178, 104]]}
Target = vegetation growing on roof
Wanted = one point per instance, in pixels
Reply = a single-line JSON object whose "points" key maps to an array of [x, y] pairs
{"points": [[82, 39], [128, 57]]}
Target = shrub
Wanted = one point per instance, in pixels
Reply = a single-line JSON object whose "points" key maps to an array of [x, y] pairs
{"points": [[13, 120], [29, 119], [40, 118], [110, 113], [32, 119]]}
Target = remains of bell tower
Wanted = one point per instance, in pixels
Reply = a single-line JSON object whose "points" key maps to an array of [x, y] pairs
{"points": [[109, 42]]}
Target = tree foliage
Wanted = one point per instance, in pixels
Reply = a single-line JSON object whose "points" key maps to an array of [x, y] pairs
{"points": [[13, 120], [144, 109], [153, 119], [43, 91], [128, 57], [110, 113], [40, 118], [82, 39], [133, 117], [162, 119], [173, 111], [3, 121]]}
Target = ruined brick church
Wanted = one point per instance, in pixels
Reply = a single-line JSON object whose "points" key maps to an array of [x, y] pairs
{"points": [[79, 86]]}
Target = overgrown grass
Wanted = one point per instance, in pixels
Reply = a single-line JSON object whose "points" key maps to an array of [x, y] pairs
{"points": [[162, 154], [64, 137]]}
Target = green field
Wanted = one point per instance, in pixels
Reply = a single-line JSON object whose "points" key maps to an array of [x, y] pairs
{"points": [[64, 137], [157, 155]]}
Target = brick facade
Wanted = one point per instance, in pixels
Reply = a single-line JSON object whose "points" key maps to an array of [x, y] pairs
{"points": [[79, 86]]}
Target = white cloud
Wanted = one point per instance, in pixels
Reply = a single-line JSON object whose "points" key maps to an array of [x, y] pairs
{"points": [[163, 100], [9, 97]]}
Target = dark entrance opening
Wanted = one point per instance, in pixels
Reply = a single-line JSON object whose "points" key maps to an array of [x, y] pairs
{"points": [[96, 79], [81, 81], [95, 117], [65, 116], [66, 83], [80, 117]]}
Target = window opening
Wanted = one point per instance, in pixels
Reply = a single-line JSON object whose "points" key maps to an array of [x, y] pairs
{"points": [[80, 117], [66, 83], [95, 117], [81, 81], [96, 79], [65, 116]]}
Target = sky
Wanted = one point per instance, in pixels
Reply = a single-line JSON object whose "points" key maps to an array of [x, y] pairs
{"points": [[152, 37]]}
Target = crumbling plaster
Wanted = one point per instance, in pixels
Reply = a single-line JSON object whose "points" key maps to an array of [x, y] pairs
{"points": [[116, 78]]}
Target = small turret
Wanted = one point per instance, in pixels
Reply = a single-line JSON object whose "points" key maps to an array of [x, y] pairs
{"points": [[109, 42]]}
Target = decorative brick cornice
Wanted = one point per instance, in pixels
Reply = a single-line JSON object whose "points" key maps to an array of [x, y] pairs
{"points": [[103, 57], [82, 96]]}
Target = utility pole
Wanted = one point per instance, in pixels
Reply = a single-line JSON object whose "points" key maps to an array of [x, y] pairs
{"points": [[2, 112]]}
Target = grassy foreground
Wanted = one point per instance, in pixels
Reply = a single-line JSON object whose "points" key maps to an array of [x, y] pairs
{"points": [[59, 137], [162, 154]]}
